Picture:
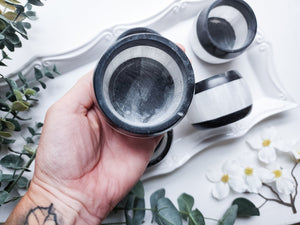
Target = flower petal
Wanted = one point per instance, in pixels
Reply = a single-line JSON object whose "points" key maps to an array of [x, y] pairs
{"points": [[214, 175], [220, 190], [265, 175], [254, 142], [267, 155], [232, 167], [237, 183], [285, 185], [282, 145], [269, 133], [254, 183]]}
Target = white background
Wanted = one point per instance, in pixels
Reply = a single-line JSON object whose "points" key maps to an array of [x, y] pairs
{"points": [[65, 25]]}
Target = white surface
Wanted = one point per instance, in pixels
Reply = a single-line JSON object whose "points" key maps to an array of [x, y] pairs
{"points": [[64, 25]]}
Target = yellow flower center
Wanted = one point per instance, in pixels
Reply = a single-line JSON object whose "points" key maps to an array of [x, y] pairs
{"points": [[266, 143], [249, 171], [277, 173], [225, 178], [298, 152]]}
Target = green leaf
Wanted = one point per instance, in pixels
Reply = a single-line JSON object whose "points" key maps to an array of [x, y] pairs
{"points": [[36, 2], [8, 141], [16, 124], [31, 15], [12, 161], [18, 27], [12, 84], [44, 86], [49, 75], [38, 73], [138, 190], [185, 204], [18, 94], [55, 70], [39, 125], [1, 37], [29, 92], [6, 178], [229, 216], [160, 193], [196, 218], [19, 106], [9, 125], [26, 25], [13, 38], [23, 183], [3, 105], [167, 214], [22, 78], [245, 207], [31, 130], [3, 196], [134, 210], [5, 134]]}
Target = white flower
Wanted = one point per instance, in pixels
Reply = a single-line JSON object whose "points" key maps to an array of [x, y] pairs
{"points": [[295, 149], [254, 176], [266, 144], [284, 183], [229, 177]]}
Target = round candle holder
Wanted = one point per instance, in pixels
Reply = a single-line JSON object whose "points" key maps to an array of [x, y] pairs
{"points": [[223, 30], [220, 100], [144, 83]]}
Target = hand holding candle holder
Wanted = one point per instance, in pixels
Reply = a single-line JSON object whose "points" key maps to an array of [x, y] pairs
{"points": [[223, 30]]}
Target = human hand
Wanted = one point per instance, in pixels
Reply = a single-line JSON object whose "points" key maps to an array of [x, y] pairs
{"points": [[83, 166]]}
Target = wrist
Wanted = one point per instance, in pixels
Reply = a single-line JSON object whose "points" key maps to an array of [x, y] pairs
{"points": [[41, 202]]}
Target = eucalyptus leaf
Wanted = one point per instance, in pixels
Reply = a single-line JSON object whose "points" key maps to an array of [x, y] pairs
{"points": [[196, 218], [245, 207], [9, 45], [29, 91], [36, 2], [44, 86], [12, 84], [160, 193], [23, 183], [18, 26], [9, 125], [13, 38], [31, 15], [167, 214], [6, 178], [138, 190], [5, 134], [2, 37], [16, 124], [26, 25], [31, 130], [185, 204], [134, 210], [12, 161], [229, 216], [8, 141], [19, 106], [3, 196], [38, 73], [18, 94]]}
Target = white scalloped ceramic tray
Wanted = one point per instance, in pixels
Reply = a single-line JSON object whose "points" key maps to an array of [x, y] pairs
{"points": [[175, 22]]}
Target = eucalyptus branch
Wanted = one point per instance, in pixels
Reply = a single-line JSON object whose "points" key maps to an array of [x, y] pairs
{"points": [[10, 186]]}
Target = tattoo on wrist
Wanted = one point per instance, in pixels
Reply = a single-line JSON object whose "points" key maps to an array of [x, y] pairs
{"points": [[41, 216]]}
